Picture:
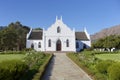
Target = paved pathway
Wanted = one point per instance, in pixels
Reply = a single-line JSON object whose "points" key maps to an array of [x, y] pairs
{"points": [[62, 68]]}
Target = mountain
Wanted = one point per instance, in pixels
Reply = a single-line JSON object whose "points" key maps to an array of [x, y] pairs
{"points": [[2, 27], [114, 30]]}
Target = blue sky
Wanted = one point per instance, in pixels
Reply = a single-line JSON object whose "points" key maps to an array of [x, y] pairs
{"points": [[95, 15]]}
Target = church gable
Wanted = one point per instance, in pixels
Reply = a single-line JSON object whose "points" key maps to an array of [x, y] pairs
{"points": [[59, 28]]}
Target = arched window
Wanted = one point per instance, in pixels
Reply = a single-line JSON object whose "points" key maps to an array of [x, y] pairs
{"points": [[77, 44], [49, 43], [67, 43], [32, 46], [58, 29], [39, 45]]}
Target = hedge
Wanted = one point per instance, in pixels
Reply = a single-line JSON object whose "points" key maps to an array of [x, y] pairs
{"points": [[77, 60], [87, 62], [114, 71], [12, 69], [103, 66], [13, 52], [42, 68], [99, 69]]}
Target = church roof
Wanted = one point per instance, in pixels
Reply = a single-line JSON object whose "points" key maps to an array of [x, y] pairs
{"points": [[81, 36], [36, 35]]}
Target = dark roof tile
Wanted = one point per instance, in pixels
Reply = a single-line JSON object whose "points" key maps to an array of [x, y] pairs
{"points": [[81, 36], [36, 35]]}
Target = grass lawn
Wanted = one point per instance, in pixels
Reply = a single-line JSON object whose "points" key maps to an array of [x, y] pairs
{"points": [[11, 56], [115, 57]]}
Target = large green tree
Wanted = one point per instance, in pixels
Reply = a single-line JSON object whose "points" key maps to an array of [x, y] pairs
{"points": [[13, 37], [98, 43], [9, 38], [112, 41]]}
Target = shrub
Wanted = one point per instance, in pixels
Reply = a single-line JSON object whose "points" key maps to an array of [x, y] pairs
{"points": [[42, 68], [28, 49], [114, 72], [12, 69], [99, 76], [34, 60], [103, 66], [81, 61], [88, 49], [13, 52]]}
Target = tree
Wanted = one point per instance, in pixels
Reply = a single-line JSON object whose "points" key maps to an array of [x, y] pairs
{"points": [[37, 29], [118, 42], [9, 38], [13, 37], [98, 43], [0, 40], [109, 42]]}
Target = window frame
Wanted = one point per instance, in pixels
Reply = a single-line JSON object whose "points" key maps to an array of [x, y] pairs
{"points": [[49, 43], [58, 29], [32, 45], [39, 44], [67, 43]]}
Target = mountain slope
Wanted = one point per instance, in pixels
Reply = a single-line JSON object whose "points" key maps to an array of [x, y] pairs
{"points": [[2, 27], [115, 30]]}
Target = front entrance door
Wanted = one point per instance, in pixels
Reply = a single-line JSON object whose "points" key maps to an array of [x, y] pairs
{"points": [[58, 45]]}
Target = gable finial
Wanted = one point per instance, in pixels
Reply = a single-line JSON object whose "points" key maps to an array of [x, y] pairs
{"points": [[56, 18], [61, 18], [85, 29]]}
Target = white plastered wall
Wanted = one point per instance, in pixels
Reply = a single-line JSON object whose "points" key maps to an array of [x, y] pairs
{"points": [[65, 33], [35, 43]]}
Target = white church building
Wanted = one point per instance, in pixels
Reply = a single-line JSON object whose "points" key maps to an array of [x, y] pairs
{"points": [[58, 37]]}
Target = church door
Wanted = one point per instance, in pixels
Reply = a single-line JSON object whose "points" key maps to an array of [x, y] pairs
{"points": [[58, 45]]}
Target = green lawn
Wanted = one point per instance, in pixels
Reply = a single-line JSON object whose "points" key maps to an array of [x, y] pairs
{"points": [[115, 57], [11, 56]]}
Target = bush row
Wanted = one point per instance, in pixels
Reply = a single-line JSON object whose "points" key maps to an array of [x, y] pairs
{"points": [[24, 70], [13, 52], [98, 69], [103, 52], [34, 60], [79, 61], [12, 69], [87, 62], [110, 69], [42, 68]]}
